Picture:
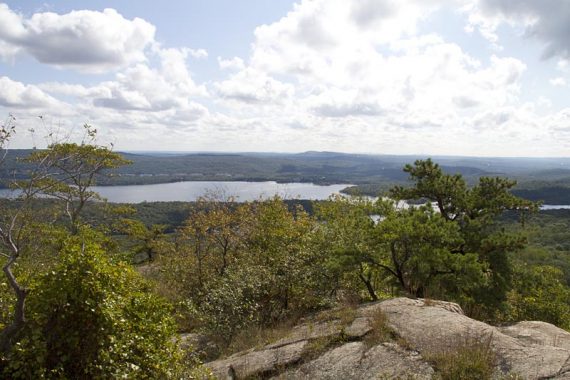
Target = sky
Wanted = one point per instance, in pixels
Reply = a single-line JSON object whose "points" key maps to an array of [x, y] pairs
{"points": [[435, 77]]}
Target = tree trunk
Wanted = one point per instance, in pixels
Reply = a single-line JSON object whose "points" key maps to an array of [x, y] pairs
{"points": [[369, 287], [10, 331]]}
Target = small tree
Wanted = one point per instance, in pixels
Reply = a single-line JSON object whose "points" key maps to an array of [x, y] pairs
{"points": [[252, 263], [7, 130], [474, 211], [215, 233], [63, 171], [282, 242], [415, 248], [409, 248], [450, 247], [149, 241], [67, 171]]}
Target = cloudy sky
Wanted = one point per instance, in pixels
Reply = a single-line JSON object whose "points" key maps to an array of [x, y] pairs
{"points": [[452, 77]]}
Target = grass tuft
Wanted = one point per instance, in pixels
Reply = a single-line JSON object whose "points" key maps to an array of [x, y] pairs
{"points": [[471, 360], [381, 331]]}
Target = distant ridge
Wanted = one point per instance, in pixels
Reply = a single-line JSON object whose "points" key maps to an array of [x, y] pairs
{"points": [[541, 178]]}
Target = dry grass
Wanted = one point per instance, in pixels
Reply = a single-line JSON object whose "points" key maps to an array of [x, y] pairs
{"points": [[381, 331], [319, 346], [345, 314], [429, 302], [473, 359], [257, 337]]}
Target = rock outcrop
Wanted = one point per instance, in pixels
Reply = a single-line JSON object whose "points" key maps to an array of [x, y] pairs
{"points": [[435, 327], [331, 346]]}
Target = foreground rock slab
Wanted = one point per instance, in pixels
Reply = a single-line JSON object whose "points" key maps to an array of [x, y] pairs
{"points": [[258, 363], [440, 327], [356, 361], [353, 349]]}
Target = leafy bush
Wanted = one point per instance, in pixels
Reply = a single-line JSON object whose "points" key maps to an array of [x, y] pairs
{"points": [[232, 302], [539, 293], [92, 318]]}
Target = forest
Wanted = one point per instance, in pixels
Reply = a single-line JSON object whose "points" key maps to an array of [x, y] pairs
{"points": [[97, 290]]}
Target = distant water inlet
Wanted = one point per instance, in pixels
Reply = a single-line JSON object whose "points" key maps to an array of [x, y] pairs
{"points": [[192, 190], [555, 207]]}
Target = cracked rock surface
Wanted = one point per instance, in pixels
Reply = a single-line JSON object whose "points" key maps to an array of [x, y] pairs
{"points": [[434, 327], [356, 361], [530, 350]]}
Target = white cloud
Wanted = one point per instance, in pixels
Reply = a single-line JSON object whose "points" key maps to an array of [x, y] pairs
{"points": [[71, 90], [355, 68], [342, 103], [85, 40], [15, 94], [145, 88], [198, 53], [141, 104], [558, 81], [254, 87], [314, 33], [235, 63], [563, 64]]}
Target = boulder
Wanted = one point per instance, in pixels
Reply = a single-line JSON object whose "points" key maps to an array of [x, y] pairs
{"points": [[358, 328]]}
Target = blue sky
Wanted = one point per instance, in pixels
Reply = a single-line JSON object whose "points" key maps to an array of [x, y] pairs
{"points": [[456, 77]]}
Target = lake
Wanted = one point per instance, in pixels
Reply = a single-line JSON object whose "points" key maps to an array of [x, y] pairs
{"points": [[244, 191], [192, 190]]}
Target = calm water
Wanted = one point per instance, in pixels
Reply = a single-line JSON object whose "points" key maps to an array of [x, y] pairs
{"points": [[191, 191], [243, 191]]}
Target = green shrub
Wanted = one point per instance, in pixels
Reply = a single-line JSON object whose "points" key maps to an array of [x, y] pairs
{"points": [[232, 302], [539, 293], [92, 318]]}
